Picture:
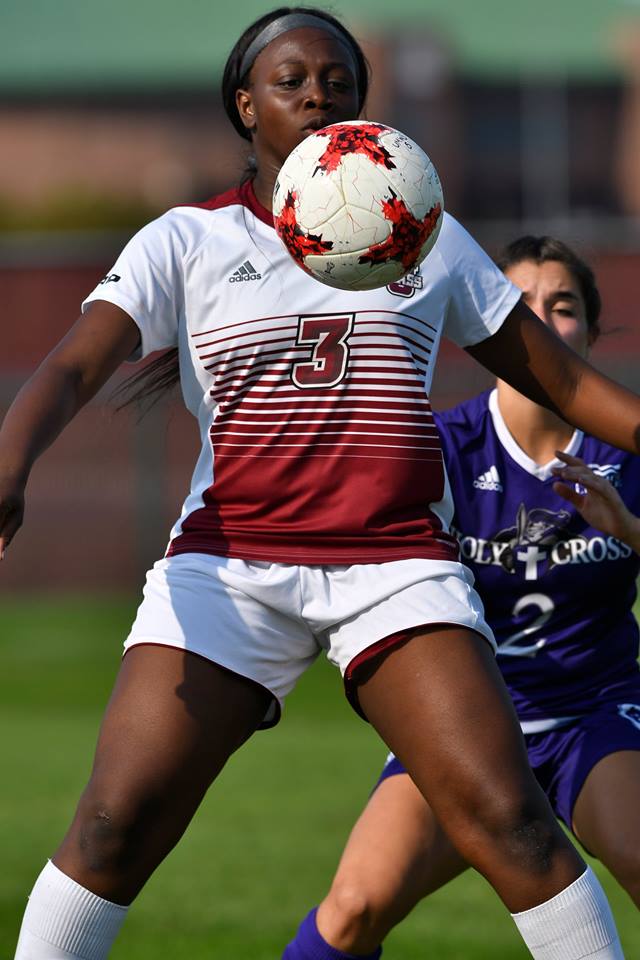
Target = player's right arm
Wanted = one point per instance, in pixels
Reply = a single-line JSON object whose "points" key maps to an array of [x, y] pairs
{"points": [[100, 340]]}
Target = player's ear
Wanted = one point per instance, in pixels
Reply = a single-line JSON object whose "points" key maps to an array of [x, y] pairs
{"points": [[244, 103]]}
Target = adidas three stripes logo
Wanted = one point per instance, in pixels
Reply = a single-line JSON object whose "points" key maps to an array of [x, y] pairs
{"points": [[246, 272], [489, 480]]}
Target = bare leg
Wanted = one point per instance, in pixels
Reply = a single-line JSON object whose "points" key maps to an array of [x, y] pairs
{"points": [[396, 854], [606, 817], [172, 722], [441, 705]]}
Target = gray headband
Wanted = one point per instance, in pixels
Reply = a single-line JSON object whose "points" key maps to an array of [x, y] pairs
{"points": [[275, 29]]}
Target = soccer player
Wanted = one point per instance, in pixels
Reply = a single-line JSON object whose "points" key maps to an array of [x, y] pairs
{"points": [[308, 527], [556, 563]]}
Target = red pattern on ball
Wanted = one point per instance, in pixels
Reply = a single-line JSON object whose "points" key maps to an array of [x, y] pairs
{"points": [[298, 243], [365, 139], [407, 236]]}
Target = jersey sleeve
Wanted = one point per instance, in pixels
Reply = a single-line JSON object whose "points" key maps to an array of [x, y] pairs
{"points": [[146, 281], [481, 297]]}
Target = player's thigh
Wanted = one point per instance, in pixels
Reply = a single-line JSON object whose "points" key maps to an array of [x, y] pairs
{"points": [[606, 815], [173, 720], [440, 703], [397, 852]]}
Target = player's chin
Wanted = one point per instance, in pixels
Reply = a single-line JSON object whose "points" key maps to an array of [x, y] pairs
{"points": [[308, 131], [292, 143]]}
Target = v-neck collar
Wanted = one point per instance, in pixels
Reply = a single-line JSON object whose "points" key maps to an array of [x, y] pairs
{"points": [[541, 471]]}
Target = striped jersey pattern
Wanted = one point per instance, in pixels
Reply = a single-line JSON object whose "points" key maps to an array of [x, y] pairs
{"points": [[330, 413], [318, 440], [378, 409]]}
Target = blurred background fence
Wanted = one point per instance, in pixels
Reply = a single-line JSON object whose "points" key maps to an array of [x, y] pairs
{"points": [[110, 115]]}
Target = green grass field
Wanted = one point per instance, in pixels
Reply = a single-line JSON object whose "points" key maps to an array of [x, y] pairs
{"points": [[263, 846]]}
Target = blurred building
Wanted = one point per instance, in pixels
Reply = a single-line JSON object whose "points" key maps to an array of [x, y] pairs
{"points": [[110, 115]]}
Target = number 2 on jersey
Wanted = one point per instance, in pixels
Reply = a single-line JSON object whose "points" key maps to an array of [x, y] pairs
{"points": [[513, 646], [328, 336]]}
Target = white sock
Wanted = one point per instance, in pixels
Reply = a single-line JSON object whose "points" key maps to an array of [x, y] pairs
{"points": [[576, 923], [63, 921]]}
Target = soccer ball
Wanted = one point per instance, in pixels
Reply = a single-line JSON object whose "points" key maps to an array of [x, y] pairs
{"points": [[358, 205]]}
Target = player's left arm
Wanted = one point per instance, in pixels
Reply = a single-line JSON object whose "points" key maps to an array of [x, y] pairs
{"points": [[597, 500], [537, 363]]}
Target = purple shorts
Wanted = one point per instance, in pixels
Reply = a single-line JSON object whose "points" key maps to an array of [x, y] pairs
{"points": [[563, 758]]}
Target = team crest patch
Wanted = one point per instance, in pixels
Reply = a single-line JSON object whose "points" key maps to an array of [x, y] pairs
{"points": [[534, 527], [408, 285], [630, 712]]}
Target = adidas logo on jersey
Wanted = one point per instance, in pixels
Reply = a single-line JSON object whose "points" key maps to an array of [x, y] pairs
{"points": [[246, 272], [490, 480]]}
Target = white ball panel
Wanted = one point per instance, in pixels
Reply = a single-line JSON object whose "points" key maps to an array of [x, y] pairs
{"points": [[318, 200], [353, 229], [344, 271], [364, 183]]}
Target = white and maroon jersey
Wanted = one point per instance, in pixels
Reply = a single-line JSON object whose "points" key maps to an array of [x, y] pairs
{"points": [[318, 441]]}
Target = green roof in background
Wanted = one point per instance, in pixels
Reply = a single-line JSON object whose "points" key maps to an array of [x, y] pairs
{"points": [[54, 45]]}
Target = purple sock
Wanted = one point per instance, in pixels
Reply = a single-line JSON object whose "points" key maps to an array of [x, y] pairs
{"points": [[308, 944]]}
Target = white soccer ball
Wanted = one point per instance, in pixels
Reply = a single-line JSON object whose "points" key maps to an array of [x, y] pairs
{"points": [[358, 205]]}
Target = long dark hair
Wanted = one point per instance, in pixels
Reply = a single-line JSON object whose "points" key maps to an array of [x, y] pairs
{"points": [[162, 374], [542, 249]]}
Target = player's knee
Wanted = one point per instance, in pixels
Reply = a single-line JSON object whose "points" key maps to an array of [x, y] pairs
{"points": [[352, 910], [517, 827], [112, 830], [532, 839]]}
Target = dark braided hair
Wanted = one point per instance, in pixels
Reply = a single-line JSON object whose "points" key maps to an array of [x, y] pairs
{"points": [[541, 250], [160, 375]]}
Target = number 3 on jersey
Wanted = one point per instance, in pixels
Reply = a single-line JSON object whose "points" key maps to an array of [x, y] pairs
{"points": [[328, 336]]}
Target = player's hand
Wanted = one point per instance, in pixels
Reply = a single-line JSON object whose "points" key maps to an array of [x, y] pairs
{"points": [[11, 511], [598, 501]]}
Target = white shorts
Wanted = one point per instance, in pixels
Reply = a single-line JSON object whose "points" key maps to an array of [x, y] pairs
{"points": [[269, 621]]}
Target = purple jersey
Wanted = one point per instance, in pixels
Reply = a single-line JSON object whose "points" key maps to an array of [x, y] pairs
{"points": [[557, 593]]}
